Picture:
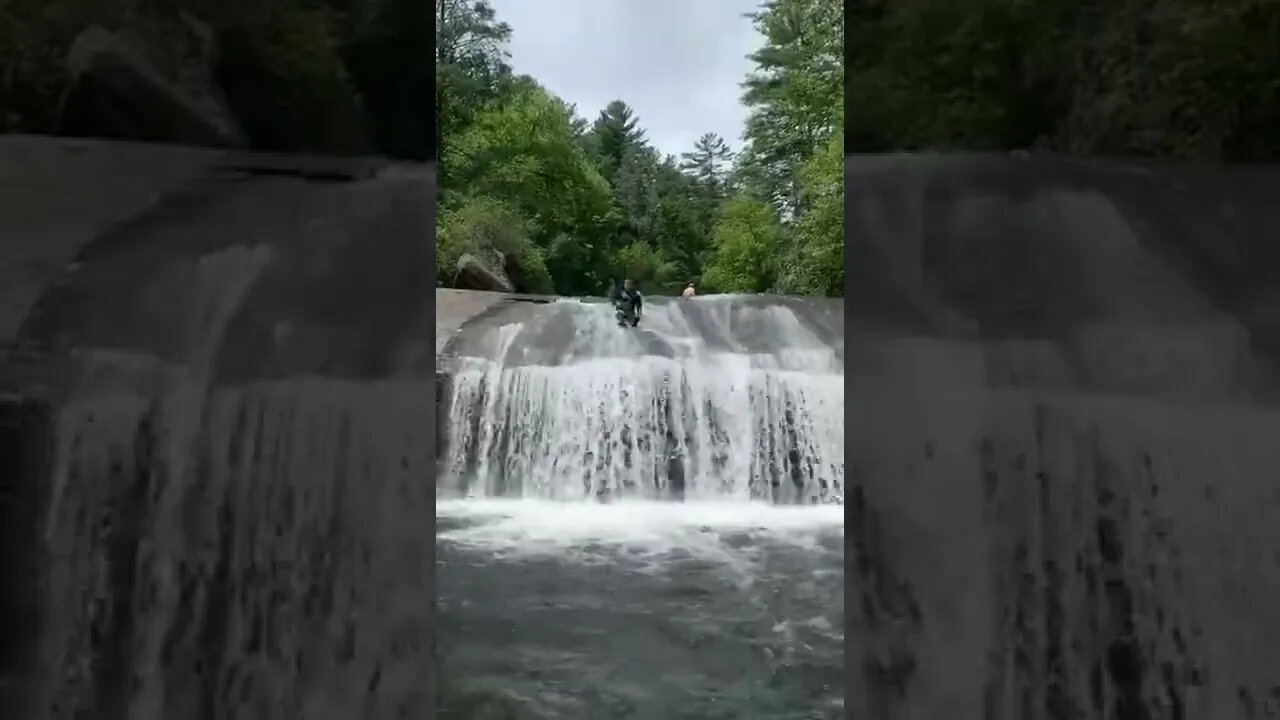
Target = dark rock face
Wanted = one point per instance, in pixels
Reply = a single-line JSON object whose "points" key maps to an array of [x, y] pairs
{"points": [[1061, 412], [222, 490]]}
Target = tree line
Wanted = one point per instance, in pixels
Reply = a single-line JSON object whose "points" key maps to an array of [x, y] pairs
{"points": [[567, 205], [323, 76], [1181, 79]]}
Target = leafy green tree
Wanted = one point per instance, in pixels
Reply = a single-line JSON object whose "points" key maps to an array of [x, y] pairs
{"points": [[287, 81], [524, 151], [1154, 78], [646, 265], [471, 62], [799, 74], [495, 234], [814, 263], [745, 244]]}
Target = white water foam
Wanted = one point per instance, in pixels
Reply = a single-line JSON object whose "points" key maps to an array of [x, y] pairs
{"points": [[647, 535]]}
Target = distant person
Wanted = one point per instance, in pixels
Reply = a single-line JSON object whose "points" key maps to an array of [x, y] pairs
{"points": [[629, 304], [688, 292]]}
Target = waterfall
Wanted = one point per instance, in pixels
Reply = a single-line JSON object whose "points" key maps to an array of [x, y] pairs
{"points": [[709, 399]]}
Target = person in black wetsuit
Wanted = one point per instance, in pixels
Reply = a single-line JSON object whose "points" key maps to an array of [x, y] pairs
{"points": [[629, 304]]}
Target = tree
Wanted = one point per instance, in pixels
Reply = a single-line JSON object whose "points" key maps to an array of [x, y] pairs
{"points": [[613, 132], [471, 62], [495, 234], [800, 73], [814, 263], [709, 163], [594, 205], [1158, 78], [525, 153], [646, 265], [681, 220], [745, 244], [635, 189]]}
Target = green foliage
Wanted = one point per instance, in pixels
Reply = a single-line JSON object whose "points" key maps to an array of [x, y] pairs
{"points": [[795, 155], [1156, 78], [524, 151], [470, 62], [578, 267], [745, 244], [815, 260], [601, 203], [331, 76], [288, 84], [792, 94], [647, 267], [709, 164], [495, 234], [615, 132], [480, 226], [528, 186], [532, 275]]}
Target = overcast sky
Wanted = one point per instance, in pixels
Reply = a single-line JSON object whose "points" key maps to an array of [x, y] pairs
{"points": [[677, 63]]}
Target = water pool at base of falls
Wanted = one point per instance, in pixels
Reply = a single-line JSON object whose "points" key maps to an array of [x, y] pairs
{"points": [[644, 523], [639, 610]]}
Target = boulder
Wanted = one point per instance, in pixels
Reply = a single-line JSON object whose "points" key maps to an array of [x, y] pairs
{"points": [[118, 91], [511, 268], [473, 274]]}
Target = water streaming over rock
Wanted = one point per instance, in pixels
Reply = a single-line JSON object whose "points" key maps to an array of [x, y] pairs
{"points": [[1041, 554], [223, 550], [714, 398]]}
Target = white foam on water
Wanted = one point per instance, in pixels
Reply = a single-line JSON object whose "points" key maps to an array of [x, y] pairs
{"points": [[649, 533]]}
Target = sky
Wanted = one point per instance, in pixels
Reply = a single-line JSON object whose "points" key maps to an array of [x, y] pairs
{"points": [[677, 63]]}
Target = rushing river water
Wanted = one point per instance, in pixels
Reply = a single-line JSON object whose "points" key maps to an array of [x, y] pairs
{"points": [[640, 610]]}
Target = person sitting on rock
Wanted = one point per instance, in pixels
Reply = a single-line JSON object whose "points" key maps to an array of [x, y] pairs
{"points": [[688, 292]]}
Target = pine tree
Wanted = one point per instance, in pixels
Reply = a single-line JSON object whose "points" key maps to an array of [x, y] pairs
{"points": [[613, 132], [709, 163]]}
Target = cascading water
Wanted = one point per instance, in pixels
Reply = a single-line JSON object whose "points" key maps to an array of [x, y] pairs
{"points": [[707, 400], [223, 550], [644, 522]]}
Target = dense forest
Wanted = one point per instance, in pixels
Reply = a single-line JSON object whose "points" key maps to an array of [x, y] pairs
{"points": [[557, 202], [1188, 80], [566, 204], [324, 76]]}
